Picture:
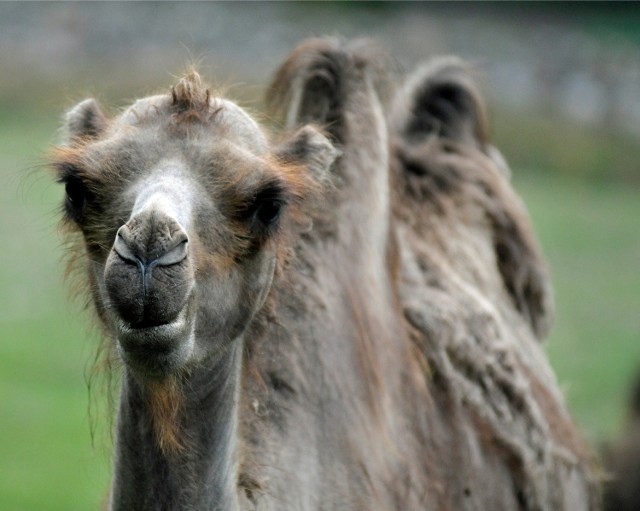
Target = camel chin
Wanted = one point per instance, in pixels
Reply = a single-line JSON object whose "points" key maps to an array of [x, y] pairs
{"points": [[157, 350]]}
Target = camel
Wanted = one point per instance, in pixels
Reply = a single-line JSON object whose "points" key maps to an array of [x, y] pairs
{"points": [[346, 316]]}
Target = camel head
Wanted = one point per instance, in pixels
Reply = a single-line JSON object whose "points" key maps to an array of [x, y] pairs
{"points": [[182, 203]]}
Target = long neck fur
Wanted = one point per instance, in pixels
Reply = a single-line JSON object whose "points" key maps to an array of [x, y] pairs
{"points": [[203, 473]]}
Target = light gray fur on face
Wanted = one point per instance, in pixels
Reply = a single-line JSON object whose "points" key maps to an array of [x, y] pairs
{"points": [[169, 190], [239, 126], [145, 108], [242, 129]]}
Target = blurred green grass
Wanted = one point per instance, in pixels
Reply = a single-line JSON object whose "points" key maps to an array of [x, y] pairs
{"points": [[46, 456], [591, 238], [588, 226]]}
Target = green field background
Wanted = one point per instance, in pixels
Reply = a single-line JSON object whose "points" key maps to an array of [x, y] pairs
{"points": [[581, 186], [46, 457]]}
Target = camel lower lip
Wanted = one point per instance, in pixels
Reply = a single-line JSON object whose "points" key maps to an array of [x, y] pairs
{"points": [[159, 348], [165, 330], [127, 329], [147, 324]]}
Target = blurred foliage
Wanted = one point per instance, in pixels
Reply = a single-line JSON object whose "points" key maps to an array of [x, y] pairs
{"points": [[608, 21], [552, 144]]}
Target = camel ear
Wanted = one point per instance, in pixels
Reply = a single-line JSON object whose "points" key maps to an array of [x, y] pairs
{"points": [[85, 120], [309, 147]]}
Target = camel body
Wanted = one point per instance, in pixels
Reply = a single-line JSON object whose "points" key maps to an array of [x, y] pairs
{"points": [[350, 318]]}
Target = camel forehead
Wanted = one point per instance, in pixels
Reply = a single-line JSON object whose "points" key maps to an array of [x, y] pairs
{"points": [[223, 119], [145, 144]]}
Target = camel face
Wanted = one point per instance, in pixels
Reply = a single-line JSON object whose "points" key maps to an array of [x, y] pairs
{"points": [[181, 203]]}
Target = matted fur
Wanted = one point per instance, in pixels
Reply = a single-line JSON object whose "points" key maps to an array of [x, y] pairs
{"points": [[470, 262]]}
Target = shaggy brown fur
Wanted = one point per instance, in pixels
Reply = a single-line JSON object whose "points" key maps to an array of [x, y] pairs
{"points": [[466, 271]]}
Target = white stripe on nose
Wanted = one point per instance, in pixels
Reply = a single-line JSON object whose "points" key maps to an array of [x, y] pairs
{"points": [[167, 192]]}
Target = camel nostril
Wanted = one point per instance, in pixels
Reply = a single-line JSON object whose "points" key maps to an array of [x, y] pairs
{"points": [[123, 249], [148, 275], [174, 255], [158, 252]]}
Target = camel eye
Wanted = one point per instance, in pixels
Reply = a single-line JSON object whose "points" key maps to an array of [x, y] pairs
{"points": [[269, 211], [78, 196], [264, 209]]}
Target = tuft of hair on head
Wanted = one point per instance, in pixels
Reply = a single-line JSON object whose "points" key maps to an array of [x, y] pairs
{"points": [[190, 93]]}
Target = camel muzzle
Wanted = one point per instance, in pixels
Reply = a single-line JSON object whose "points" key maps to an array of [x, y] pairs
{"points": [[149, 278], [148, 274]]}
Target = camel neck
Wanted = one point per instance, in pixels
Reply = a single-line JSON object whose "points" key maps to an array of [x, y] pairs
{"points": [[203, 475]]}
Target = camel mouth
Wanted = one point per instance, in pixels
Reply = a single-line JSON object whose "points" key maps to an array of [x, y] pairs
{"points": [[156, 348], [146, 325]]}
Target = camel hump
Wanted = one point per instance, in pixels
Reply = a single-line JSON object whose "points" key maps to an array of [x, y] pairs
{"points": [[442, 99], [318, 80], [440, 102]]}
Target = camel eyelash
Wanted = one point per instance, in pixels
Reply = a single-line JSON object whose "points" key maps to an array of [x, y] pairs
{"points": [[263, 210], [77, 194]]}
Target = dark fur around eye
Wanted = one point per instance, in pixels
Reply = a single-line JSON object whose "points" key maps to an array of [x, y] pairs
{"points": [[263, 211], [77, 196], [269, 211]]}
